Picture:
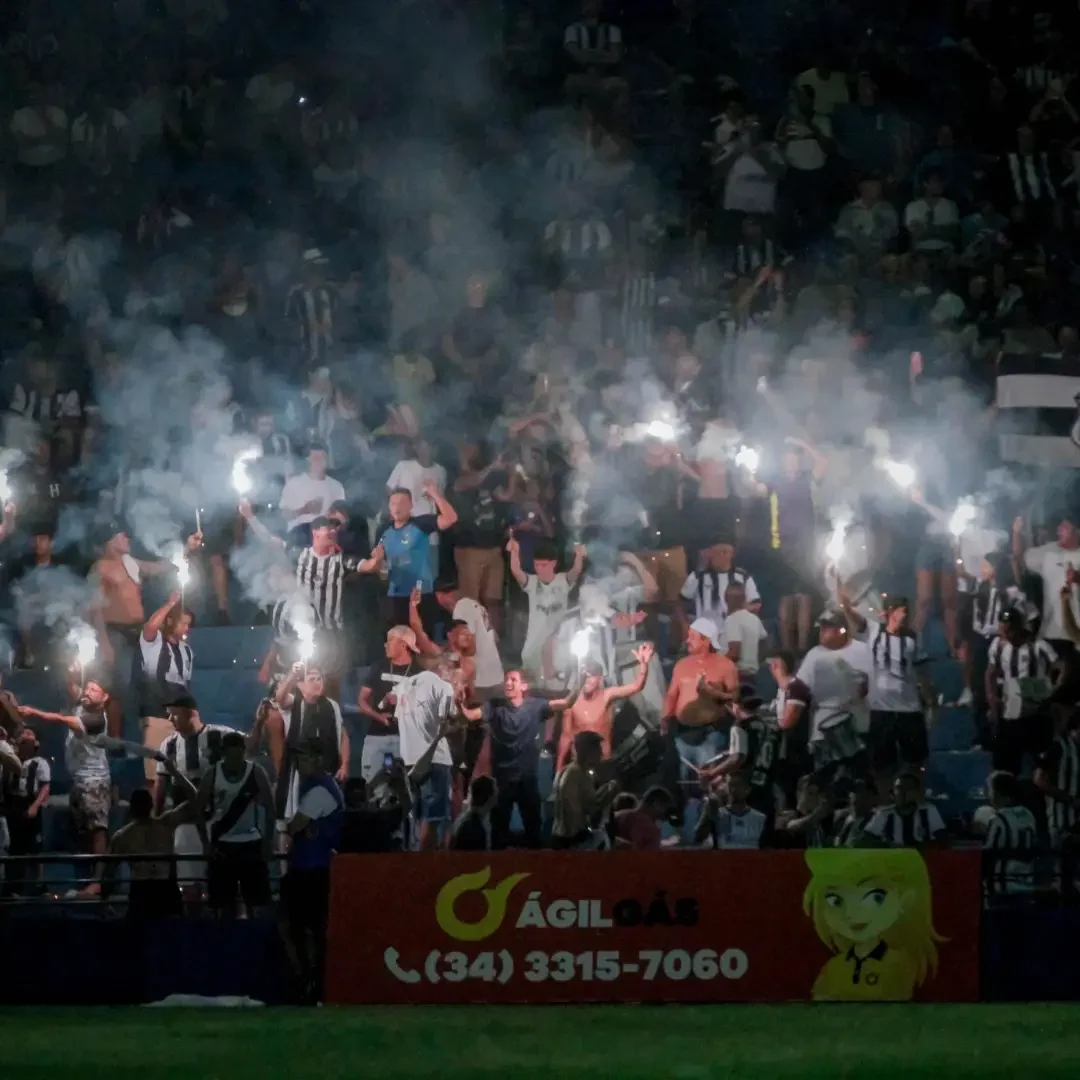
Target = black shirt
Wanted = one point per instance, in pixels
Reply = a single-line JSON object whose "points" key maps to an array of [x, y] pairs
{"points": [[516, 736], [481, 518], [470, 833], [380, 687], [371, 829]]}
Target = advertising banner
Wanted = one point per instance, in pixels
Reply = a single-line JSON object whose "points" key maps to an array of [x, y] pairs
{"points": [[826, 925]]}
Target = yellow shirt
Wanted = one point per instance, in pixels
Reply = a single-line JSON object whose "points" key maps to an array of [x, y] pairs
{"points": [[883, 975]]}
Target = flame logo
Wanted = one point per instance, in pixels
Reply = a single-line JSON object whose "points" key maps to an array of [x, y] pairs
{"points": [[496, 897]]}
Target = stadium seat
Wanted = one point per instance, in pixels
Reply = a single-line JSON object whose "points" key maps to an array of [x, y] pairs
{"points": [[226, 647]]}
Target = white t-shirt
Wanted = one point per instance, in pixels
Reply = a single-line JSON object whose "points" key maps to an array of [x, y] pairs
{"points": [[489, 669], [940, 214], [422, 702], [748, 188], [828, 92], [300, 490], [1050, 562], [834, 678], [548, 603], [748, 630], [739, 831], [411, 476], [86, 759]]}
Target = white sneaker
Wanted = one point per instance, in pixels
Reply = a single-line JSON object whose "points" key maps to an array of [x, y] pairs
{"points": [[965, 700]]}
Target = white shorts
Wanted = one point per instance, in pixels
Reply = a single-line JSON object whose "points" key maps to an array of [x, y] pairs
{"points": [[186, 842]]}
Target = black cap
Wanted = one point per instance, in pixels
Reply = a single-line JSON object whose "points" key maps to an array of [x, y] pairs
{"points": [[97, 673], [183, 699], [445, 583], [106, 531], [321, 522], [1014, 616], [233, 739], [895, 602]]}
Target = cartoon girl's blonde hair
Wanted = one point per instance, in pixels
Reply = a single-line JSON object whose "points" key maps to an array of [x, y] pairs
{"points": [[902, 869]]}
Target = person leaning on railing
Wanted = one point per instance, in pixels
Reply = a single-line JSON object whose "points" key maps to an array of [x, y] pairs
{"points": [[154, 892]]}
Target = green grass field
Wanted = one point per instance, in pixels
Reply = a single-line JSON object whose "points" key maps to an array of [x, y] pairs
{"points": [[677, 1042]]}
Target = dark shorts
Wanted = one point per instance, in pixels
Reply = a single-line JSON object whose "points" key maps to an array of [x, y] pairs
{"points": [[219, 533], [154, 900], [935, 555], [305, 897], [238, 867], [432, 796], [90, 804], [897, 738]]}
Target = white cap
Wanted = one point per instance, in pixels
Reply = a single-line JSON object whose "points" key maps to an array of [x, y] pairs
{"points": [[707, 628]]}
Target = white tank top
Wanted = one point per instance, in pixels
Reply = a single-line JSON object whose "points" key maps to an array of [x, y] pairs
{"points": [[246, 828]]}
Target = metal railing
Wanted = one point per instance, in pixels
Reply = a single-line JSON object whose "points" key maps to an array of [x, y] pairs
{"points": [[24, 885]]}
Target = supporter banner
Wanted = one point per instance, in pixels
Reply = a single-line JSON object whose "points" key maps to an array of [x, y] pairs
{"points": [[828, 924], [1038, 420]]}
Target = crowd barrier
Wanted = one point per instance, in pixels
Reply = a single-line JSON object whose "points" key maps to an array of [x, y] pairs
{"points": [[656, 927], [579, 927]]}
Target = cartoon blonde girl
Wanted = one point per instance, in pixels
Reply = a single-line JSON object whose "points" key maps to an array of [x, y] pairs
{"points": [[872, 908]]}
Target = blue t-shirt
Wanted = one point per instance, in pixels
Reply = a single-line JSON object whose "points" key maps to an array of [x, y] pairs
{"points": [[515, 736], [408, 555]]}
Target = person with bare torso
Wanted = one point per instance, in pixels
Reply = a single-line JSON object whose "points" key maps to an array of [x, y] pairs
{"points": [[118, 614], [704, 685], [594, 708], [154, 892]]}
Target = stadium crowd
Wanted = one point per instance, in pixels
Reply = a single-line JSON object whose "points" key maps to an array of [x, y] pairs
{"points": [[543, 376]]}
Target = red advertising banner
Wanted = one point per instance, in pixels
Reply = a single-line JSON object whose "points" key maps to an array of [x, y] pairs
{"points": [[825, 925]]}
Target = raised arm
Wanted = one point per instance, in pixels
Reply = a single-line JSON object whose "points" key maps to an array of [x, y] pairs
{"points": [[257, 527], [514, 548], [578, 566], [855, 619], [283, 697], [643, 655], [426, 646], [445, 514], [28, 712], [152, 626]]}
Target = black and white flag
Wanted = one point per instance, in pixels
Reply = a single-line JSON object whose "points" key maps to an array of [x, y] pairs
{"points": [[1038, 401]]}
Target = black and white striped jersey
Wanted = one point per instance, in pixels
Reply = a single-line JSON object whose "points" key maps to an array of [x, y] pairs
{"points": [[1061, 763], [1012, 829], [1023, 674], [322, 582], [194, 754], [596, 37]]}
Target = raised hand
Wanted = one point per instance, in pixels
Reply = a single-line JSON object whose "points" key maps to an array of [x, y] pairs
{"points": [[644, 653]]}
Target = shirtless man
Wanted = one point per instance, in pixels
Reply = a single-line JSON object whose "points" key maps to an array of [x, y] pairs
{"points": [[593, 711], [704, 686], [460, 640], [118, 612], [154, 892]]}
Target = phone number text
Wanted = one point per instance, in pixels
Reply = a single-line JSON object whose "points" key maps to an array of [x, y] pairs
{"points": [[601, 966]]}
